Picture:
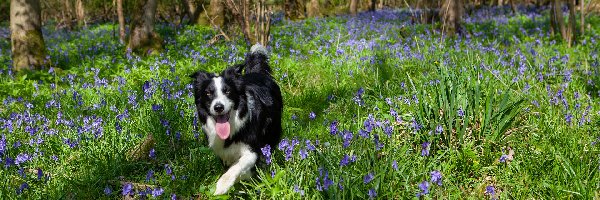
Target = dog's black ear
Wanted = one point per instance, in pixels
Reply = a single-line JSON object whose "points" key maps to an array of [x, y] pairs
{"points": [[199, 77], [233, 72]]}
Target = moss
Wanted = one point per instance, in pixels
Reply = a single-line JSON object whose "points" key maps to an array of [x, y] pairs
{"points": [[29, 49]]}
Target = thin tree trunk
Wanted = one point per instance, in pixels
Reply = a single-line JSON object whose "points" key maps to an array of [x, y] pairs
{"points": [[353, 7], [121, 20], [572, 35], [68, 14], [451, 14], [192, 11], [80, 12], [27, 41], [216, 13], [582, 20], [513, 6], [142, 37], [312, 8], [557, 18], [373, 5]]}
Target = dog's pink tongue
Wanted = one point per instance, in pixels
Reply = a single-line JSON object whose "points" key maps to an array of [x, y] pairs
{"points": [[223, 127]]}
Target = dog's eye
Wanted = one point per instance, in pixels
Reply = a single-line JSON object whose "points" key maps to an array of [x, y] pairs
{"points": [[226, 91], [208, 93]]}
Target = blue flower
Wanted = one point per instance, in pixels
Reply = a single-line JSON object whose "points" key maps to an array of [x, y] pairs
{"points": [[461, 112], [345, 160], [333, 128], [168, 169], [368, 178], [152, 153], [173, 197], [424, 187], [309, 146], [149, 175], [157, 192], [107, 190], [395, 165], [503, 158], [22, 188], [372, 193], [303, 154], [127, 189], [283, 144], [2, 144], [298, 190], [347, 138], [21, 158], [439, 129], [490, 190], [425, 149], [266, 151], [40, 174], [312, 115], [436, 177]]}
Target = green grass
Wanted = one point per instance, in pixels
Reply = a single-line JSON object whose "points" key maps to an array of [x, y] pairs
{"points": [[515, 89]]}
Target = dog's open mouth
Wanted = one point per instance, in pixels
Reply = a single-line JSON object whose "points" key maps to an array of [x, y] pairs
{"points": [[223, 127]]}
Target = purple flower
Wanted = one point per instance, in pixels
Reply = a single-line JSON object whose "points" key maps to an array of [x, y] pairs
{"points": [[347, 138], [461, 112], [266, 151], [395, 165], [168, 169], [439, 129], [303, 154], [372, 193], [298, 190], [569, 118], [333, 128], [490, 190], [2, 144], [312, 115], [173, 197], [127, 189], [149, 175], [436, 177], [345, 160], [40, 174], [107, 190], [309, 146], [152, 154], [157, 192], [22, 187], [503, 158], [425, 149], [368, 178], [283, 144], [21, 158], [424, 187]]}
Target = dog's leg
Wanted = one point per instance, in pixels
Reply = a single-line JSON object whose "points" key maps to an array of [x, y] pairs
{"points": [[242, 167]]}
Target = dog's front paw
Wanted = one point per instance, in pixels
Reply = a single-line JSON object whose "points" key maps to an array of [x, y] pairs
{"points": [[224, 183]]}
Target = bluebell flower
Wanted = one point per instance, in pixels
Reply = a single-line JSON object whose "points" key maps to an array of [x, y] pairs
{"points": [[309, 146], [266, 151], [461, 112], [152, 153], [294, 117], [2, 144], [22, 187], [424, 187], [298, 190], [333, 127], [282, 144], [368, 178], [312, 115], [372, 193], [425, 149], [168, 169], [490, 190], [439, 129], [503, 158], [345, 160], [157, 192], [173, 197], [436, 177], [40, 174], [149, 175], [395, 165], [127, 189], [107, 190], [303, 154], [347, 138], [21, 158]]}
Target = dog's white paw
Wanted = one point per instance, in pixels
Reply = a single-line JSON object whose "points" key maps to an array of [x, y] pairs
{"points": [[224, 183]]}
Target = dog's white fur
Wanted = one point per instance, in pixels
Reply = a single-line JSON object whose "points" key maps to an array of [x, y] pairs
{"points": [[237, 155]]}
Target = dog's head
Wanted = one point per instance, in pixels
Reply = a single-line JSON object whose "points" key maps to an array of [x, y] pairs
{"points": [[217, 98]]}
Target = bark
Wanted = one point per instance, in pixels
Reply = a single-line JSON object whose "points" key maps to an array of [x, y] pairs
{"points": [[353, 7], [121, 20], [27, 41], [451, 14], [571, 31], [373, 5], [191, 10], [67, 14], [80, 12], [216, 13], [556, 19], [143, 39], [513, 6], [582, 20], [312, 8]]}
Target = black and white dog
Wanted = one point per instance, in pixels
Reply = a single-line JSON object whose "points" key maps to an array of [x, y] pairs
{"points": [[240, 112]]}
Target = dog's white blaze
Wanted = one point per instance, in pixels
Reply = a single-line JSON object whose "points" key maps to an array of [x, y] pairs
{"points": [[220, 97]]}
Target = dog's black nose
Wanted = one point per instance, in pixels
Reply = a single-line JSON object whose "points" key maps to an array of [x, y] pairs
{"points": [[219, 107]]}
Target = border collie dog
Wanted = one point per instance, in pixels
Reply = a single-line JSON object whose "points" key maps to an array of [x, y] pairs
{"points": [[240, 112]]}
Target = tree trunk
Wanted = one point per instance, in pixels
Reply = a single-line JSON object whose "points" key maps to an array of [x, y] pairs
{"points": [[27, 41], [373, 5], [191, 10], [216, 13], [67, 14], [557, 21], [582, 12], [353, 7], [571, 31], [80, 12], [142, 38], [312, 8], [451, 14], [121, 20], [513, 6]]}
